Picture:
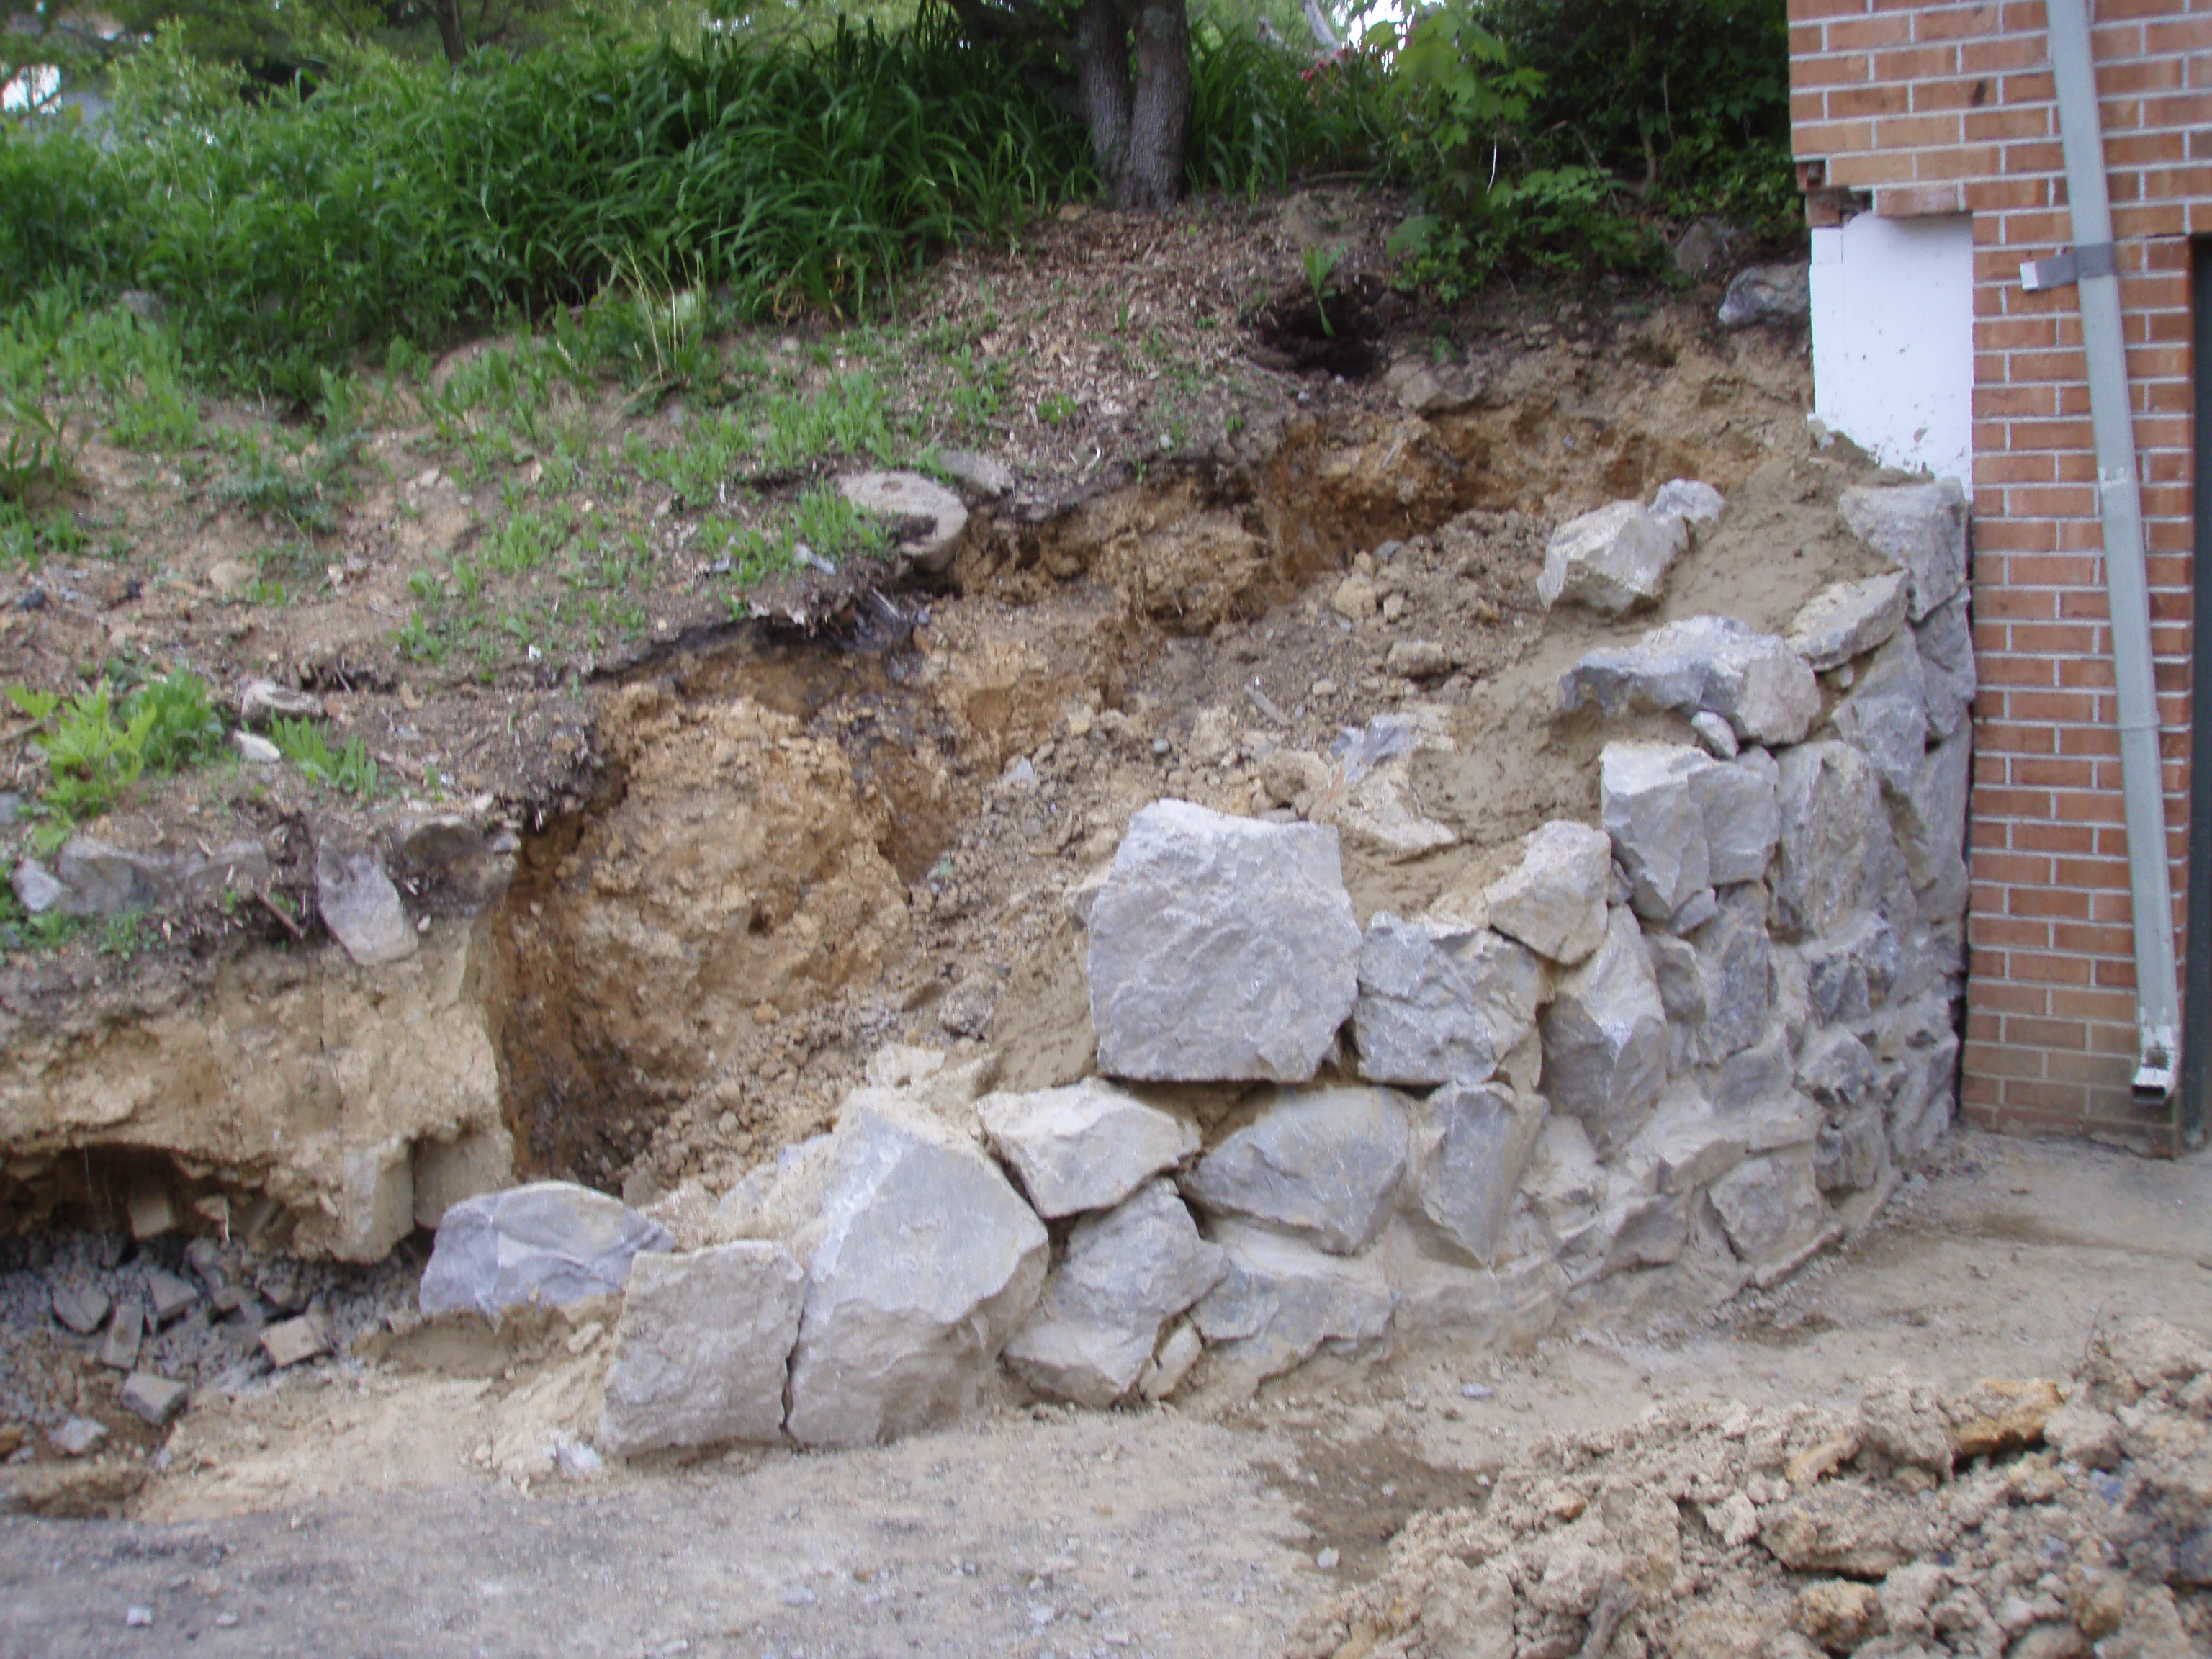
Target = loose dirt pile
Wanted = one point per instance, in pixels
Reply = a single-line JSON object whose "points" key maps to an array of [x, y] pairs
{"points": [[2033, 1517]]}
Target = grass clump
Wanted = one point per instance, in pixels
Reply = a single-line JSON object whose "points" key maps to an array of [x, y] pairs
{"points": [[348, 769]]}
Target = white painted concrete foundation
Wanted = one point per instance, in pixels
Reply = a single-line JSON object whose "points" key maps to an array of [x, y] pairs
{"points": [[1893, 339]]}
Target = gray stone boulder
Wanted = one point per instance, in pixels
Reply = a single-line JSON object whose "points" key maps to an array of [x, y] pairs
{"points": [[929, 518], [1768, 294], [1655, 815], [1084, 1147], [360, 905], [1469, 1146], [1770, 1208], [702, 1348], [549, 1242], [1440, 1002], [1686, 1145], [1743, 818], [1691, 500], [1885, 717], [1850, 968], [1836, 851], [36, 888], [920, 1263], [1947, 663], [1611, 561], [1929, 815], [1126, 1273], [1325, 1162], [1553, 901], [90, 878], [1733, 972], [1220, 948], [1845, 620], [1919, 528], [1281, 1299], [1605, 1038], [1921, 1110], [1709, 664]]}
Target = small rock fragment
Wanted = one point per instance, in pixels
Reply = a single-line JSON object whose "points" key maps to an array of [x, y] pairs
{"points": [[78, 1437], [157, 1399], [80, 1310], [293, 1341]]}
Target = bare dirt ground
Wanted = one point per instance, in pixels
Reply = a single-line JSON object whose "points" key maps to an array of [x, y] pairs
{"points": [[1046, 1532]]}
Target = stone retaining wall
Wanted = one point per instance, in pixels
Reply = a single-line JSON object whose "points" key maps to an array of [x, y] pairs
{"points": [[1701, 1037]]}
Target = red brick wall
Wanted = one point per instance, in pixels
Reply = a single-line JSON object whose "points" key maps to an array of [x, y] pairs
{"points": [[1916, 108]]}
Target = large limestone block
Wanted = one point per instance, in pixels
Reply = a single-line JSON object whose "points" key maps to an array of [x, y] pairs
{"points": [[1281, 1299], [1686, 1145], [447, 1171], [701, 1348], [1702, 664], [1743, 821], [1885, 716], [1733, 963], [1921, 1110], [1325, 1162], [1930, 818], [1835, 852], [1439, 1002], [1655, 815], [1085, 1147], [1770, 1207], [1611, 561], [1220, 948], [361, 907], [1126, 1274], [1470, 1147], [1553, 901], [1919, 528], [1845, 620], [1605, 1038], [1947, 660], [551, 1241], [923, 1261]]}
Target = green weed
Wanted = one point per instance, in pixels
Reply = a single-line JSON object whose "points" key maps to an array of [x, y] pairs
{"points": [[97, 745], [348, 769]]}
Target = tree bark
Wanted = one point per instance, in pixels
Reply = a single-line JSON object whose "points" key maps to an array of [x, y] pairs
{"points": [[1151, 176], [447, 15], [1101, 55]]}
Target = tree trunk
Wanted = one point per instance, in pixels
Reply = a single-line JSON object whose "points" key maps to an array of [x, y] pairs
{"points": [[447, 15], [1136, 131], [1102, 83], [1151, 176]]}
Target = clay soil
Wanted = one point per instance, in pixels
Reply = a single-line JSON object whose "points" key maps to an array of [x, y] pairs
{"points": [[1194, 588]]}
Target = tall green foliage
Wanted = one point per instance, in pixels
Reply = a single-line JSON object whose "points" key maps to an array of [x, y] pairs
{"points": [[408, 200]]}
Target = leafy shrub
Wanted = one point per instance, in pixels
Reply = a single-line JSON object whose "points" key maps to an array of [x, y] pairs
{"points": [[1685, 102], [96, 745], [1261, 115]]}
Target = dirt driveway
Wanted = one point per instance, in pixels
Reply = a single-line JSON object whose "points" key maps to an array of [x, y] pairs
{"points": [[1067, 1534]]}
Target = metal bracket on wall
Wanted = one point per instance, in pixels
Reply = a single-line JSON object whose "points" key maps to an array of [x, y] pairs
{"points": [[2063, 269]]}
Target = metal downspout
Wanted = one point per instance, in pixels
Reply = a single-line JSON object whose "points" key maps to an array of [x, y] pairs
{"points": [[2120, 502]]}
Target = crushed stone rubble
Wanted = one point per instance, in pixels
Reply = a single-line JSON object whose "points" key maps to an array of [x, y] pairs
{"points": [[2037, 1518], [95, 1327]]}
